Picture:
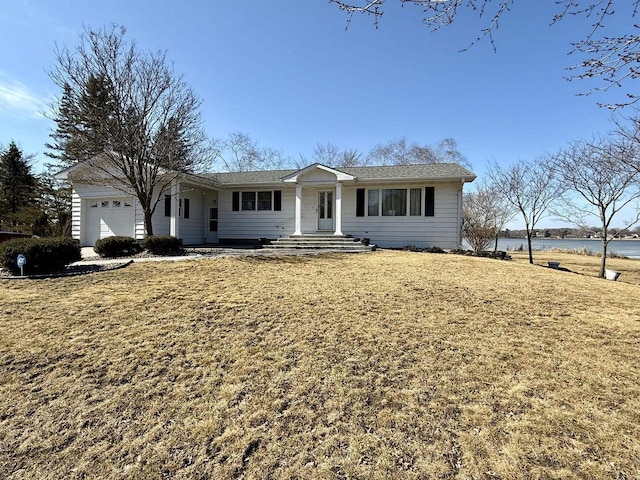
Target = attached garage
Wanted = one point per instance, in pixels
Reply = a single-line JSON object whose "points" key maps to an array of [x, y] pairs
{"points": [[106, 217]]}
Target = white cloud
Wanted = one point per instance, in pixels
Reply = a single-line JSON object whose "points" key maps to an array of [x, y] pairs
{"points": [[17, 98]]}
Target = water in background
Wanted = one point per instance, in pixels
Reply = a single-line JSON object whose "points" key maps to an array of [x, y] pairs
{"points": [[626, 248]]}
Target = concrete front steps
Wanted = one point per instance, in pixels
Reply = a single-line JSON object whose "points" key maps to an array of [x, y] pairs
{"points": [[343, 243]]}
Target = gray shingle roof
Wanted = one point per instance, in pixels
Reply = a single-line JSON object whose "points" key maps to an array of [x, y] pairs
{"points": [[433, 171]]}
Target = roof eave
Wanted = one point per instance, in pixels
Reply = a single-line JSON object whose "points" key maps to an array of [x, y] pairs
{"points": [[464, 179]]}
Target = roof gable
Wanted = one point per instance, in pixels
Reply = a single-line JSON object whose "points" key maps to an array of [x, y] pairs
{"points": [[318, 172]]}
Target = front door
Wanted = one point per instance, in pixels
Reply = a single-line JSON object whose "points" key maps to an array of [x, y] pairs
{"points": [[325, 210]]}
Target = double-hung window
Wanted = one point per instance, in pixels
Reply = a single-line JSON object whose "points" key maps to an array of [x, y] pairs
{"points": [[415, 202], [264, 200], [248, 200], [373, 203]]}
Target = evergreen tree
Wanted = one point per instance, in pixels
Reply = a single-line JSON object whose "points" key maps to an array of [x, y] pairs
{"points": [[170, 146], [64, 149], [83, 122], [17, 188], [54, 198]]}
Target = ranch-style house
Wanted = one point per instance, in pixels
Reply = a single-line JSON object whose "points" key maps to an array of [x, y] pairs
{"points": [[393, 206]]}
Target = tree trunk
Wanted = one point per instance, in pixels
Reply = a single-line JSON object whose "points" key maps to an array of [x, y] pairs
{"points": [[605, 237], [603, 261], [495, 247], [529, 246], [148, 227]]}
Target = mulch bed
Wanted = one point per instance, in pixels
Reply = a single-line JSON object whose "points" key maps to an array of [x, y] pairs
{"points": [[71, 270]]}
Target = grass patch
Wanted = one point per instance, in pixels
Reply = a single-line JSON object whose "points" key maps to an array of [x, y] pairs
{"points": [[583, 264], [385, 365]]}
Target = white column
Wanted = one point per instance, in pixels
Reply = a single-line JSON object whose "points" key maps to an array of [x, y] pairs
{"points": [[338, 209], [298, 220], [174, 224]]}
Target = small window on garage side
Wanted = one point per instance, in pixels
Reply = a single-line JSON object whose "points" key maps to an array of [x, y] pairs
{"points": [[127, 204], [116, 204], [93, 204], [104, 204]]}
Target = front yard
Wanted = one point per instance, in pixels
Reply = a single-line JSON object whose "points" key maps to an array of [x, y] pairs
{"points": [[384, 365]]}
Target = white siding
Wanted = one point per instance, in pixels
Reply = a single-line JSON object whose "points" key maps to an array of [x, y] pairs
{"points": [[192, 229], [440, 230], [256, 224], [158, 220], [443, 229]]}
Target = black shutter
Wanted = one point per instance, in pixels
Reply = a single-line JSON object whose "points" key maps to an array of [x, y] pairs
{"points": [[236, 202], [429, 201], [277, 200], [360, 202], [167, 205], [186, 208]]}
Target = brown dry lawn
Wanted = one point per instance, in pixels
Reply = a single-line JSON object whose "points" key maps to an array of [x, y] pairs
{"points": [[389, 365], [583, 264]]}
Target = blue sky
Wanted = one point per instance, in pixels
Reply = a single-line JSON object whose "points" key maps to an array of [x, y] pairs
{"points": [[287, 73]]}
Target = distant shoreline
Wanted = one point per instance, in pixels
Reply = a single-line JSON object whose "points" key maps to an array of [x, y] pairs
{"points": [[624, 247], [568, 238]]}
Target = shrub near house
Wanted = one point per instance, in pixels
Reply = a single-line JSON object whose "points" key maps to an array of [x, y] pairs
{"points": [[117, 246], [162, 244]]}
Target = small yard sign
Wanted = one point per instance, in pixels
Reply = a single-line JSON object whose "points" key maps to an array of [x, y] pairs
{"points": [[21, 261]]}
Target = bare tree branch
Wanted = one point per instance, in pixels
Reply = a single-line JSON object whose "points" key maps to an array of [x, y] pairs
{"points": [[613, 59], [531, 188], [149, 129], [605, 182]]}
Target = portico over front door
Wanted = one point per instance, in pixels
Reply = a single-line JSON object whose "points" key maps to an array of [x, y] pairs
{"points": [[325, 210]]}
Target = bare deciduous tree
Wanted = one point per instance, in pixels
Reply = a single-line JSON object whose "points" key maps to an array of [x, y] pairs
{"points": [[530, 187], [629, 129], [485, 212], [331, 155], [152, 131], [613, 58], [241, 153], [404, 152], [599, 172]]}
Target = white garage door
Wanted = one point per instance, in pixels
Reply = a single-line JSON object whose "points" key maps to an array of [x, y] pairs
{"points": [[107, 217]]}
